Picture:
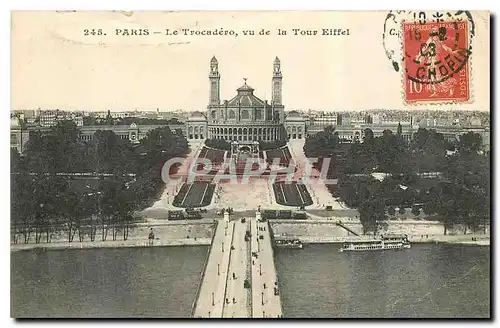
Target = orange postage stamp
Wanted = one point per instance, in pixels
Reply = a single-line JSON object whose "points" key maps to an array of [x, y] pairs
{"points": [[436, 62]]}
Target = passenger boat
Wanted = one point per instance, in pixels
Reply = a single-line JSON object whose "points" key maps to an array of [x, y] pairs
{"points": [[289, 243], [376, 244]]}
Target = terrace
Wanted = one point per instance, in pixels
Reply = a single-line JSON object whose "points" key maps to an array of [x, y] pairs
{"points": [[197, 194], [282, 153], [215, 156], [292, 194]]}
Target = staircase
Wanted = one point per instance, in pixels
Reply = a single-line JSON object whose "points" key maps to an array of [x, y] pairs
{"points": [[346, 228]]}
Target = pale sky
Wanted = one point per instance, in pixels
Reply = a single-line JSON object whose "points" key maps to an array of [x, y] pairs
{"points": [[54, 65]]}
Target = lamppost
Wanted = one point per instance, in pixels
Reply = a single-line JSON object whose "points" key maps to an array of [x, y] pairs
{"points": [[39, 214]]}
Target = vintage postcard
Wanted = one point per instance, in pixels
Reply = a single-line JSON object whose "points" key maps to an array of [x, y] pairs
{"points": [[294, 164]]}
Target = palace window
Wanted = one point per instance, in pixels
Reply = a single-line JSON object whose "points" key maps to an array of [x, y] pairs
{"points": [[258, 114], [245, 115]]}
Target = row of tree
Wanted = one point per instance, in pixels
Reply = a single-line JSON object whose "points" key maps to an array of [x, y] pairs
{"points": [[44, 201], [220, 144], [459, 194]]}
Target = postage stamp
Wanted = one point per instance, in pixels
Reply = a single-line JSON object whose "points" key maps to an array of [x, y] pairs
{"points": [[436, 62]]}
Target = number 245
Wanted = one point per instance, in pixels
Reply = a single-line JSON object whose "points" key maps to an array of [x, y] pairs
{"points": [[93, 32]]}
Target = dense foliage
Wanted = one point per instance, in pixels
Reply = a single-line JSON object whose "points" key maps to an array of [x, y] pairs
{"points": [[125, 178], [220, 144], [268, 145], [450, 181]]}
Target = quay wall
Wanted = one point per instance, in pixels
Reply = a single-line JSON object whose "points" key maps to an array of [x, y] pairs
{"points": [[326, 231], [165, 235], [193, 307]]}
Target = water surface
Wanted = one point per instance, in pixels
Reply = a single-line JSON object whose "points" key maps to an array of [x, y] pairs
{"points": [[428, 280], [119, 282]]}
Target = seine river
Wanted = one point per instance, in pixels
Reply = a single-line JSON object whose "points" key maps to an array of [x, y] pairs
{"points": [[316, 282]]}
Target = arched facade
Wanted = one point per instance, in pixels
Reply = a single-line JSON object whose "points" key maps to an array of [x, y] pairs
{"points": [[196, 127], [245, 117], [295, 126]]}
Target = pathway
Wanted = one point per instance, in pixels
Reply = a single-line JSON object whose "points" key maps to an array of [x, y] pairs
{"points": [[266, 304], [319, 192], [232, 260]]}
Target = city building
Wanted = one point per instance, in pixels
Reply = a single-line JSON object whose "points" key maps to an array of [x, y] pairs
{"points": [[48, 117], [133, 132], [295, 125], [328, 119]]}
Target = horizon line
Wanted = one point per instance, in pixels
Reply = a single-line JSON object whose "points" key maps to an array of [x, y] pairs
{"points": [[286, 110]]}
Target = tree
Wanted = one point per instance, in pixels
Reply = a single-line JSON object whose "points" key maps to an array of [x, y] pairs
{"points": [[372, 215], [174, 121], [428, 149], [107, 153], [45, 201], [22, 205], [389, 152], [391, 211], [460, 194], [40, 153], [218, 144], [469, 143], [125, 206], [415, 210], [322, 144], [268, 145], [368, 136], [73, 209], [15, 160]]}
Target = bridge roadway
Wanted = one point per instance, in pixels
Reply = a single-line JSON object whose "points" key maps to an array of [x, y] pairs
{"points": [[264, 278], [223, 295], [238, 298]]}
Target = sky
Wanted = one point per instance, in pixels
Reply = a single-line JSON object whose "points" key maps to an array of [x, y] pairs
{"points": [[55, 65]]}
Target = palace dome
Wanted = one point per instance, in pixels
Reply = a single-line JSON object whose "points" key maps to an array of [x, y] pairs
{"points": [[245, 98]]}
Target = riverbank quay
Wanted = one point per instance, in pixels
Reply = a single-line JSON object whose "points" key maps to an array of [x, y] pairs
{"points": [[456, 240], [328, 231], [199, 232], [109, 244], [166, 234]]}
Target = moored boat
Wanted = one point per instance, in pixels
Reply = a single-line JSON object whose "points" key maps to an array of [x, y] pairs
{"points": [[385, 242], [289, 243]]}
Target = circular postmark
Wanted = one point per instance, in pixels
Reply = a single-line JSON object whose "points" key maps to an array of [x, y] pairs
{"points": [[393, 31], [434, 52]]}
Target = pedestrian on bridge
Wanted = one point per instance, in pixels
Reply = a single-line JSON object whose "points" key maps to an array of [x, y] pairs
{"points": [[151, 237]]}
